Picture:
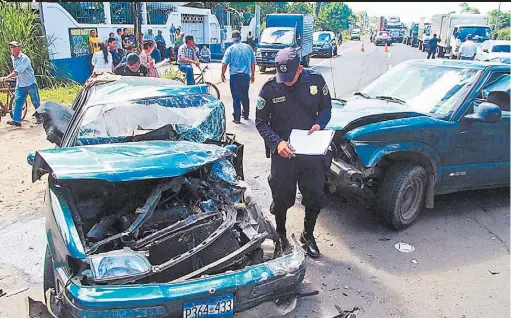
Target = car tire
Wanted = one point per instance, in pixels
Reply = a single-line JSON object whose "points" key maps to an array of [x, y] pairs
{"points": [[262, 69], [402, 185], [335, 51], [306, 61], [48, 273], [330, 54]]}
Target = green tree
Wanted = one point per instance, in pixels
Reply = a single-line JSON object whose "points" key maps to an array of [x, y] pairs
{"points": [[504, 18], [465, 8], [335, 16], [300, 7]]}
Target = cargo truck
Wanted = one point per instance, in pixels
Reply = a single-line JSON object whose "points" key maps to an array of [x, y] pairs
{"points": [[452, 29], [381, 24], [424, 33], [285, 30]]}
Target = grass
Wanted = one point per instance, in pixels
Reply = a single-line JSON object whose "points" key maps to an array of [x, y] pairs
{"points": [[64, 94]]}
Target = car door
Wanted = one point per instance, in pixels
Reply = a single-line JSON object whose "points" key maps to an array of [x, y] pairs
{"points": [[478, 154], [480, 52]]}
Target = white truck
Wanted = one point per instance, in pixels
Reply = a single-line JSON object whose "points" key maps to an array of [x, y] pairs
{"points": [[452, 30], [424, 33]]}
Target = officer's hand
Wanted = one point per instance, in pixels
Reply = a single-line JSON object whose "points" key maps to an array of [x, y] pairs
{"points": [[252, 79], [223, 78], [285, 150], [314, 128]]}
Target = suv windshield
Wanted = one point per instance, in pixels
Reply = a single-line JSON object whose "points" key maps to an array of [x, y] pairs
{"points": [[321, 37], [501, 48], [196, 117], [428, 89], [278, 36]]}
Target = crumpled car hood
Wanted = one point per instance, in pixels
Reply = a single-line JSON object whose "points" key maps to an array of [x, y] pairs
{"points": [[126, 161], [356, 108]]}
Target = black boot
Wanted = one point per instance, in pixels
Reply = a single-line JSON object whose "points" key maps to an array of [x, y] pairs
{"points": [[280, 220], [307, 237]]}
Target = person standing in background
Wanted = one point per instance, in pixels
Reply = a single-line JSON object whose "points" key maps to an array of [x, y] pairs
{"points": [[94, 46], [131, 49], [26, 83], [112, 48], [118, 41], [178, 36], [433, 44], [240, 58], [149, 35], [125, 37], [147, 60], [160, 43], [102, 60], [172, 34], [468, 49]]}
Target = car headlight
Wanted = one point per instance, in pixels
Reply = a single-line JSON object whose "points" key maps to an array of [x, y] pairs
{"points": [[119, 264], [326, 45]]}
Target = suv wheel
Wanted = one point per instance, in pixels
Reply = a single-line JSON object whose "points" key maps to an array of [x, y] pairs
{"points": [[400, 197]]}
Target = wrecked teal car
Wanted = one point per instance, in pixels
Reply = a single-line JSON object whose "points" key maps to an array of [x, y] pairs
{"points": [[423, 128], [148, 215]]}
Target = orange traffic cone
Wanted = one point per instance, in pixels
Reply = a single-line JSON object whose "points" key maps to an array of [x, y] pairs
{"points": [[386, 48], [362, 47]]}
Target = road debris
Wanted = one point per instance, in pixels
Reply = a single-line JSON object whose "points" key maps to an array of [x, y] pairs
{"points": [[404, 247], [17, 292], [345, 294], [346, 287], [2, 293], [414, 261], [384, 239], [335, 288], [346, 313], [493, 272]]}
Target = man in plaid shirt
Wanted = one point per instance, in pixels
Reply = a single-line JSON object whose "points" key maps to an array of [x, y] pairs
{"points": [[186, 56]]}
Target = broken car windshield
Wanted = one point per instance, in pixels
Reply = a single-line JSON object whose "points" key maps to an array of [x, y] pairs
{"points": [[432, 89], [196, 117]]}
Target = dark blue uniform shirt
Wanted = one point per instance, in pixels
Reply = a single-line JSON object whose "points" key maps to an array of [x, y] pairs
{"points": [[281, 108]]}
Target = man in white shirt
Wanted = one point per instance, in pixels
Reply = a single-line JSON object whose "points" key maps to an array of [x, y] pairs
{"points": [[468, 49]]}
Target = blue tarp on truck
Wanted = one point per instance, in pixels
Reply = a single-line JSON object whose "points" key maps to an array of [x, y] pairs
{"points": [[285, 30]]}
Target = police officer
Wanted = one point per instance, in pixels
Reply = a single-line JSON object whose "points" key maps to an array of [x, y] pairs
{"points": [[296, 98]]}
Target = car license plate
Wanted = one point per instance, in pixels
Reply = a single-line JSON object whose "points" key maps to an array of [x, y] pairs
{"points": [[222, 306]]}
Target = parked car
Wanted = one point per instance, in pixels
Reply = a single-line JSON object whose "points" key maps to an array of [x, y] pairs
{"points": [[501, 59], [148, 215], [355, 34], [442, 127], [493, 48], [396, 35], [324, 43], [383, 37]]}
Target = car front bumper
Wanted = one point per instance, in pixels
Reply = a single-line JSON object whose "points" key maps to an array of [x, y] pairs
{"points": [[250, 287], [266, 62], [382, 42], [322, 51]]}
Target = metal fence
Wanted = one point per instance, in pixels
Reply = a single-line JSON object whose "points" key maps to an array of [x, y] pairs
{"points": [[157, 12], [85, 12], [121, 13]]}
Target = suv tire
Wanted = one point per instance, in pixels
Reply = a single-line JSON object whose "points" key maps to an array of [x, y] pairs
{"points": [[400, 197], [48, 274]]}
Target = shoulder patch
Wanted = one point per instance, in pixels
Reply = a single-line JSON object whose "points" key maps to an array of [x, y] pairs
{"points": [[325, 90], [261, 102]]}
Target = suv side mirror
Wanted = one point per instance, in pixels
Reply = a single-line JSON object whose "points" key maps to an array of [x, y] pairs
{"points": [[486, 113]]}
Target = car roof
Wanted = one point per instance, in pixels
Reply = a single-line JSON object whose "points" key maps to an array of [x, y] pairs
{"points": [[479, 65], [125, 88]]}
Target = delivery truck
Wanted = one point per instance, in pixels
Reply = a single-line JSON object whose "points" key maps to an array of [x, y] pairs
{"points": [[424, 33], [285, 30], [452, 29]]}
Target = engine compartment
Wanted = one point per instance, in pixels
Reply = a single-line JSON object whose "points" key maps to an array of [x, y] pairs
{"points": [[202, 223]]}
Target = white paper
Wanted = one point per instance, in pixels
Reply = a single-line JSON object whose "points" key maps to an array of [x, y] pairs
{"points": [[316, 143]]}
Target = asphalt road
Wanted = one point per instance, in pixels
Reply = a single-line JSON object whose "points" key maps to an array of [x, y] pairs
{"points": [[457, 244]]}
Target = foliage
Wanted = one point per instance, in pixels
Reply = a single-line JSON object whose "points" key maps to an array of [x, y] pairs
{"points": [[64, 94], [465, 8], [503, 34], [504, 18], [335, 16], [20, 23], [171, 73], [300, 7]]}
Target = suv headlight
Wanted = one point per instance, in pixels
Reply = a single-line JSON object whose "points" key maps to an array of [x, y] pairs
{"points": [[326, 45], [119, 264]]}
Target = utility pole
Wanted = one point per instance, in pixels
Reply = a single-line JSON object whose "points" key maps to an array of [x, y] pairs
{"points": [[497, 21], [137, 9]]}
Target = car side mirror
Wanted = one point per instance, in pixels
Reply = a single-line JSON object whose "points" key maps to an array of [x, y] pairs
{"points": [[486, 113], [31, 158], [485, 50]]}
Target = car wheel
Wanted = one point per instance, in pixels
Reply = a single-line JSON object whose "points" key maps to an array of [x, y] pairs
{"points": [[335, 51], [262, 69], [331, 53], [306, 61], [48, 274], [400, 197]]}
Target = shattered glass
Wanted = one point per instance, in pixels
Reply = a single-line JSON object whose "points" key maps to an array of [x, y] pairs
{"points": [[194, 117]]}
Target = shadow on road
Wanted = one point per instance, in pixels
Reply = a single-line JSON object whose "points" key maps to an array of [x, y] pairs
{"points": [[463, 228]]}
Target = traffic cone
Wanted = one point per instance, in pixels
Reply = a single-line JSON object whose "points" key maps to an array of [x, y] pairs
{"points": [[362, 47], [386, 48]]}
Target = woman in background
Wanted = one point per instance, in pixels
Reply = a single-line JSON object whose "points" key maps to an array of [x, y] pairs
{"points": [[147, 60], [102, 60]]}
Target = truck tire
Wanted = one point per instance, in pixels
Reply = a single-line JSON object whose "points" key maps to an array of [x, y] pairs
{"points": [[262, 69], [48, 274], [400, 197]]}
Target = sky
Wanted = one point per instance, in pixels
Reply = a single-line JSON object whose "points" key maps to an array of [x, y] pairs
{"points": [[413, 11]]}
